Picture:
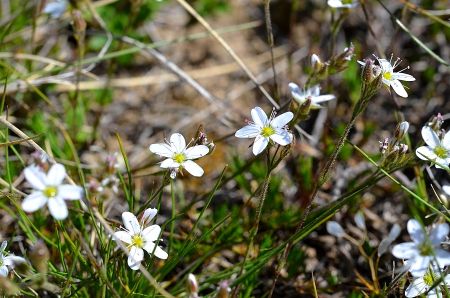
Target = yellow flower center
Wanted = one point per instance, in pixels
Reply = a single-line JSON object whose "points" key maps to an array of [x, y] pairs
{"points": [[426, 249], [347, 1], [267, 131], [430, 278], [50, 191], [179, 158], [387, 75], [440, 151], [137, 241]]}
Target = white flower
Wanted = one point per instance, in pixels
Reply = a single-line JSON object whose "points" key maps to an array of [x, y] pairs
{"points": [[178, 156], [343, 3], [391, 78], [446, 189], [7, 262], [436, 150], [312, 93], [56, 8], [264, 129], [48, 188], [139, 237], [423, 284], [424, 249]]}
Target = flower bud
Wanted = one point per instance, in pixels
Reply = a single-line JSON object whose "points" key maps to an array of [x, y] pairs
{"points": [[401, 130], [8, 287], [192, 286], [335, 229], [384, 146], [39, 256], [371, 79], [316, 64], [436, 122], [224, 290]]}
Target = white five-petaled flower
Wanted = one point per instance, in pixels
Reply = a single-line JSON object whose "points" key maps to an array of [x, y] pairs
{"points": [[7, 262], [437, 150], [343, 3], [391, 78], [138, 237], [424, 250], [56, 8], [48, 188], [264, 129], [421, 285], [179, 156], [312, 93]]}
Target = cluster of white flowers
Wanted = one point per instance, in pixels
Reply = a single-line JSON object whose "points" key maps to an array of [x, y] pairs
{"points": [[424, 258]]}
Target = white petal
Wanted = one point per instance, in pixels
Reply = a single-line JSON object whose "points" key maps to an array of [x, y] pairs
{"points": [[161, 149], [438, 234], [169, 163], [385, 65], [123, 236], [430, 137], [259, 116], [34, 201], [281, 120], [4, 271], [135, 258], [398, 88], [151, 233], [425, 153], [416, 288], [405, 250], [446, 140], [56, 174], [297, 94], [403, 77], [446, 189], [260, 144], [193, 168], [335, 229], [158, 252], [36, 177], [195, 152], [334, 3], [283, 138], [314, 91], [13, 260], [248, 131], [419, 265], [148, 215], [70, 192], [131, 223], [362, 63], [178, 142], [58, 208], [416, 231], [442, 257], [323, 98]]}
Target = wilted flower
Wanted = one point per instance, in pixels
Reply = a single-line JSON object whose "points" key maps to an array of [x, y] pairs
{"points": [[424, 284], [8, 262], [139, 238], [264, 129], [179, 156], [48, 188], [424, 249], [343, 3], [312, 93], [437, 150]]}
